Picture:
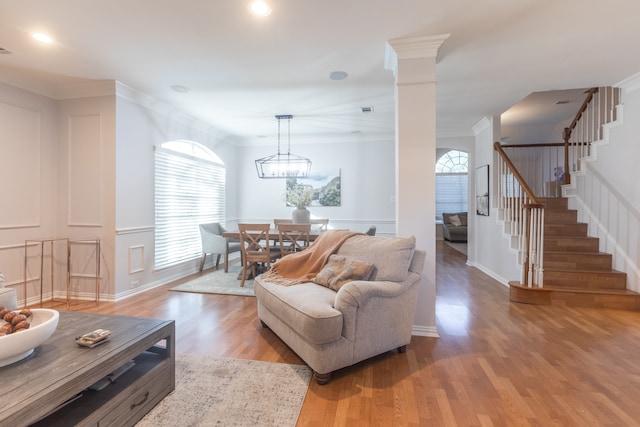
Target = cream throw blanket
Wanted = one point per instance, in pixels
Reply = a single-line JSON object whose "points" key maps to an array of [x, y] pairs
{"points": [[300, 267]]}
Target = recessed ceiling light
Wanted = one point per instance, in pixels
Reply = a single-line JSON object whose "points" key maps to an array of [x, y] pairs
{"points": [[42, 37], [180, 88], [260, 8], [338, 75]]}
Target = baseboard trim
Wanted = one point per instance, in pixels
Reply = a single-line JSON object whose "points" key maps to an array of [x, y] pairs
{"points": [[425, 331]]}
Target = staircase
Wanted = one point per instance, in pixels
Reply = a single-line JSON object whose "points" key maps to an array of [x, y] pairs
{"points": [[576, 273]]}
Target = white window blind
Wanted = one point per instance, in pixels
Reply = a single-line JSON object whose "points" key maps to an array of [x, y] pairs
{"points": [[189, 191], [451, 193]]}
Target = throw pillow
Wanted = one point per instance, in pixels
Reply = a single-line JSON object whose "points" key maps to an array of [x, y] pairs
{"points": [[391, 256], [455, 221], [341, 270]]}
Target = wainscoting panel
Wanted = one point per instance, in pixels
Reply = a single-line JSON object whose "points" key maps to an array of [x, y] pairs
{"points": [[19, 166], [84, 185]]}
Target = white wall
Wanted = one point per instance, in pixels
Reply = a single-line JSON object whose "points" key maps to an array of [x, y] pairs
{"points": [[82, 168], [367, 184], [607, 195], [85, 192], [468, 145], [141, 124], [489, 247], [28, 179]]}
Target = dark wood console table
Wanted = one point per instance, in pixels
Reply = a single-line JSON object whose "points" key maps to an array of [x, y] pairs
{"points": [[54, 382]]}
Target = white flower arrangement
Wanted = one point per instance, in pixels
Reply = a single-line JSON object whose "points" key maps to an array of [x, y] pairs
{"points": [[300, 196]]}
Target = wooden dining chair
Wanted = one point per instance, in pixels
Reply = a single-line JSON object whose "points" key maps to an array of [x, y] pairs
{"points": [[279, 221], [322, 223], [293, 238], [255, 250]]}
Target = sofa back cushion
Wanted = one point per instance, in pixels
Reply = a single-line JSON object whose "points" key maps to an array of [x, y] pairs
{"points": [[462, 218], [391, 256], [341, 270]]}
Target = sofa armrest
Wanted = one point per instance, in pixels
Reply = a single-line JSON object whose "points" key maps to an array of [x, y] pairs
{"points": [[214, 244], [356, 293], [378, 315]]}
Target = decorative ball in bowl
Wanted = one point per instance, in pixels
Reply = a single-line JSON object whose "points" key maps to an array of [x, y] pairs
{"points": [[18, 345]]}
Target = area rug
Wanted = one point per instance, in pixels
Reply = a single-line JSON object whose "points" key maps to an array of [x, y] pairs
{"points": [[213, 391], [458, 246], [218, 282]]}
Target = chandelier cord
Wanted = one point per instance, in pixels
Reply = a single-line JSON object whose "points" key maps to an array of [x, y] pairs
{"points": [[278, 137], [289, 137]]}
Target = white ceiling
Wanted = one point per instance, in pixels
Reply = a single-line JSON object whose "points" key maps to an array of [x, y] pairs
{"points": [[242, 70]]}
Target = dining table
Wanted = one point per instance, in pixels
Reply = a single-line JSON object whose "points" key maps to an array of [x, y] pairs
{"points": [[273, 235]]}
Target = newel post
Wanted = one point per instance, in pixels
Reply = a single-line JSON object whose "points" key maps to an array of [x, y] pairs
{"points": [[566, 136]]}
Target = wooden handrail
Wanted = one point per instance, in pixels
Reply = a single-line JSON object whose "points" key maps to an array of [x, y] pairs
{"points": [[580, 112], [514, 170], [569, 130]]}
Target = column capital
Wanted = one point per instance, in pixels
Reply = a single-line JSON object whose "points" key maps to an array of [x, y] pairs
{"points": [[415, 47]]}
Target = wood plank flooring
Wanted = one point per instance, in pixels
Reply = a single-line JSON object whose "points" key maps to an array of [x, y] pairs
{"points": [[496, 363]]}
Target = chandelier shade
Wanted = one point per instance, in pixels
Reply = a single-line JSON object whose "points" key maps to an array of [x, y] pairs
{"points": [[283, 165]]}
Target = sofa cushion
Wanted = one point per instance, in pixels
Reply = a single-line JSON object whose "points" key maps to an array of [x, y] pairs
{"points": [[307, 308], [390, 256], [455, 221], [340, 270]]}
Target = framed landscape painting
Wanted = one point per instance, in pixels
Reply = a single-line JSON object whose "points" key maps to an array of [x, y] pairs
{"points": [[325, 185]]}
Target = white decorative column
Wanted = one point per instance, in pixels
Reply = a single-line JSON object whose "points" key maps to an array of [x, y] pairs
{"points": [[413, 62]]}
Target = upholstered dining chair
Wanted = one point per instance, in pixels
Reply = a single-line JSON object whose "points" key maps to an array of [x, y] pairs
{"points": [[293, 238], [254, 246], [213, 243]]}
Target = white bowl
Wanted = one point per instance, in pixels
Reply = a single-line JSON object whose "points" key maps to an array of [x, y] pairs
{"points": [[19, 345]]}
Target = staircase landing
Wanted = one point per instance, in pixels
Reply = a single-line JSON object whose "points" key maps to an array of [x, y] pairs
{"points": [[576, 273]]}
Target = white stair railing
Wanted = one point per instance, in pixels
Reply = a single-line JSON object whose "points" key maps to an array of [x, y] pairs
{"points": [[524, 216]]}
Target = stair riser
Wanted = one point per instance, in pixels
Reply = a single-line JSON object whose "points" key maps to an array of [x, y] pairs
{"points": [[575, 299], [560, 216], [565, 230], [570, 244], [585, 280], [581, 261], [554, 202]]}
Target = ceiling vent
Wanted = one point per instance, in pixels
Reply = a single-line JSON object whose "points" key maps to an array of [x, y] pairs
{"points": [[366, 110], [4, 51], [562, 102]]}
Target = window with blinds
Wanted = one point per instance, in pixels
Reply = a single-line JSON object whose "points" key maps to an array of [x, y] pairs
{"points": [[451, 193], [452, 176], [189, 190]]}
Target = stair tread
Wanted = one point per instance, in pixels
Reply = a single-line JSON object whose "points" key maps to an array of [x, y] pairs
{"points": [[565, 270], [575, 253], [552, 236], [590, 291], [551, 288]]}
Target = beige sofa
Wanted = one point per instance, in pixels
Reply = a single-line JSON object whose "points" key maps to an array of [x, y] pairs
{"points": [[330, 330], [7, 296], [454, 226]]}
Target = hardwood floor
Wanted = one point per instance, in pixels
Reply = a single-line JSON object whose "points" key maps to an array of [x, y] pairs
{"points": [[496, 363]]}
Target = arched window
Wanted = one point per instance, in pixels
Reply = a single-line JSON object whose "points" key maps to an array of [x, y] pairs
{"points": [[452, 176], [453, 161], [189, 190]]}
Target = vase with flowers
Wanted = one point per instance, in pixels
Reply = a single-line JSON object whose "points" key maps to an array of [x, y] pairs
{"points": [[300, 196]]}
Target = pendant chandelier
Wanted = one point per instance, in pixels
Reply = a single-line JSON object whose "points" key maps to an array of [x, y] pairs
{"points": [[283, 165]]}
